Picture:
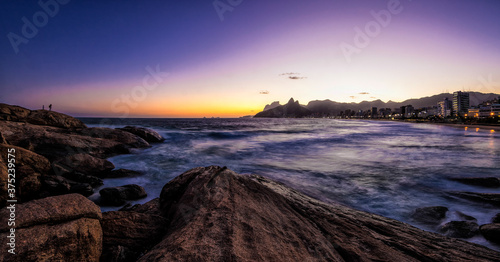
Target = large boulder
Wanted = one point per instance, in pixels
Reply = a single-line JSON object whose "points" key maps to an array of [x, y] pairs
{"points": [[52, 118], [38, 117], [429, 215], [118, 196], [61, 228], [86, 164], [492, 182], [28, 168], [460, 229], [55, 143], [491, 232], [215, 214], [149, 135]]}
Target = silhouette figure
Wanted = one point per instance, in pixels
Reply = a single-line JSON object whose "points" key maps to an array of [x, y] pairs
{"points": [[50, 107], [43, 107]]}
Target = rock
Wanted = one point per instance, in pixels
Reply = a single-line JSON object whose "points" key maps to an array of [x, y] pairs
{"points": [[2, 139], [86, 164], [76, 176], [3, 183], [52, 118], [460, 229], [496, 218], [55, 143], [82, 188], [117, 196], [134, 230], [29, 168], [214, 214], [118, 254], [492, 182], [13, 113], [465, 216], [429, 215], [145, 133], [491, 232], [121, 173], [55, 185], [487, 198], [61, 228], [38, 117]]}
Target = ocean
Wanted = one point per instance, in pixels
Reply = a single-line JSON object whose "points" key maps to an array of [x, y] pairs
{"points": [[383, 167]]}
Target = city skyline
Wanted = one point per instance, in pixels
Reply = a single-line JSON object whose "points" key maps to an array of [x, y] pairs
{"points": [[229, 59]]}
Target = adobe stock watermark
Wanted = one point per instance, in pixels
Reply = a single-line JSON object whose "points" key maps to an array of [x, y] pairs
{"points": [[40, 19], [139, 93], [222, 7], [372, 29]]}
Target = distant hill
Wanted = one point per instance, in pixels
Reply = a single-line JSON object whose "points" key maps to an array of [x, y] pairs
{"points": [[291, 110], [332, 108], [272, 105]]}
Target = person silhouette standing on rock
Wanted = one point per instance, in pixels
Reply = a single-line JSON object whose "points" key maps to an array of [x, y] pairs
{"points": [[50, 107], [43, 107]]}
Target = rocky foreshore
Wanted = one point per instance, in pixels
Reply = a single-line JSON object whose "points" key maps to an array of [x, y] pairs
{"points": [[205, 214]]}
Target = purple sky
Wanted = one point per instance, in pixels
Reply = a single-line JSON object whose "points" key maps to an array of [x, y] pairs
{"points": [[89, 58]]}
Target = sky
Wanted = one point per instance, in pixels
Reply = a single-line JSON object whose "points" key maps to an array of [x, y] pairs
{"points": [[229, 58]]}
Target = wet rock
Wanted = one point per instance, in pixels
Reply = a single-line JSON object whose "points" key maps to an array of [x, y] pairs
{"points": [[121, 173], [82, 188], [214, 214], [465, 216], [460, 229], [149, 135], [491, 232], [496, 218], [492, 182], [117, 196], [60, 228], [430, 215], [487, 198]]}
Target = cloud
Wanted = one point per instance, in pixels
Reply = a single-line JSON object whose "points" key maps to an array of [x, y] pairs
{"points": [[264, 92], [372, 97], [289, 74], [296, 77], [364, 93], [293, 76], [352, 97]]}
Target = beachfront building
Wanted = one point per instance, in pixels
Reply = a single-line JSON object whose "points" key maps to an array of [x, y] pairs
{"points": [[444, 108], [473, 112], [460, 103], [495, 110]]}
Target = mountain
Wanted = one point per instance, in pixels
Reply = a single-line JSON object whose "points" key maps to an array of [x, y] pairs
{"points": [[272, 105], [320, 108], [291, 110]]}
